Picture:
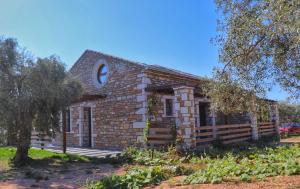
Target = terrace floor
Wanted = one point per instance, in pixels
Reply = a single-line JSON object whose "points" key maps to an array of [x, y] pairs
{"points": [[89, 152]]}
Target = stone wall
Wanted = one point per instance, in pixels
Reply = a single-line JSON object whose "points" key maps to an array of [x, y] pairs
{"points": [[119, 118], [161, 119]]}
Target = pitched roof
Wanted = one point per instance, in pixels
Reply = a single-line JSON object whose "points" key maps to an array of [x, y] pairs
{"points": [[145, 66]]}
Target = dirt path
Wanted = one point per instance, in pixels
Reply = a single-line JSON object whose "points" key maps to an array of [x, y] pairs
{"points": [[65, 177], [291, 140], [280, 182]]}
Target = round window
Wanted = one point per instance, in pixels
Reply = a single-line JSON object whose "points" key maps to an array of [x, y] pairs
{"points": [[102, 74]]}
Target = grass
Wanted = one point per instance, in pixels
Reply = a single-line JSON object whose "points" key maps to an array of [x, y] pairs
{"points": [[39, 159], [38, 156], [52, 162]]}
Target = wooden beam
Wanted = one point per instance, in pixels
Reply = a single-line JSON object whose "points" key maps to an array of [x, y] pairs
{"points": [[64, 132]]}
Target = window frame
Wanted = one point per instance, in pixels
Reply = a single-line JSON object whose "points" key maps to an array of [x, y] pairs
{"points": [[100, 74], [165, 99]]}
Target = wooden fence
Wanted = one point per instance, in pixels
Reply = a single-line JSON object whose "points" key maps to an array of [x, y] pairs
{"points": [[160, 137], [204, 135], [234, 133], [227, 134], [266, 128], [40, 140]]}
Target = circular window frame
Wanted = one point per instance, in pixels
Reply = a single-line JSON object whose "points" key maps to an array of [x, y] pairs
{"points": [[100, 73], [97, 67]]}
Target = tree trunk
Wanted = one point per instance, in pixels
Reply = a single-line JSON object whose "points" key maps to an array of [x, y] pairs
{"points": [[23, 145], [21, 156], [253, 117]]}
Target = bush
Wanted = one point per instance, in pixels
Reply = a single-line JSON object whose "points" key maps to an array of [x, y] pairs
{"points": [[151, 157], [134, 179], [256, 165]]}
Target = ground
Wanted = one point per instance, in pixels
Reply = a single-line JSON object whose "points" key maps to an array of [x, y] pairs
{"points": [[279, 182], [291, 140], [68, 176], [52, 170]]}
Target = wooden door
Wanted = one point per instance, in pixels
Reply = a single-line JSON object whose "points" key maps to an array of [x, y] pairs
{"points": [[87, 127]]}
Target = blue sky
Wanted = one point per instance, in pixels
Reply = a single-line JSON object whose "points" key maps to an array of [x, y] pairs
{"points": [[171, 33]]}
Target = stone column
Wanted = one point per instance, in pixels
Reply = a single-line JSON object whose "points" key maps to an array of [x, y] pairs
{"points": [[185, 115], [274, 116]]}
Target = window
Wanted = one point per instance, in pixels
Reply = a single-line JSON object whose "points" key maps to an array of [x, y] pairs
{"points": [[169, 107], [102, 74]]}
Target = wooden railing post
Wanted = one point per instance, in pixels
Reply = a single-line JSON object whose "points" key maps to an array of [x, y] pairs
{"points": [[64, 128], [214, 128]]}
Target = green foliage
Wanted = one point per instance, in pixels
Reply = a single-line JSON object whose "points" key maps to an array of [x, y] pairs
{"points": [[146, 130], [32, 93], [289, 112], [256, 165], [152, 101], [151, 157], [259, 47], [136, 178]]}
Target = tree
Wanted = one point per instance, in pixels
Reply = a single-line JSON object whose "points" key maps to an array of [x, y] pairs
{"points": [[32, 94], [259, 44], [289, 112]]}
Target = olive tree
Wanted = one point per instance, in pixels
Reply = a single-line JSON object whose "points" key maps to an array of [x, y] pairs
{"points": [[32, 93], [259, 47]]}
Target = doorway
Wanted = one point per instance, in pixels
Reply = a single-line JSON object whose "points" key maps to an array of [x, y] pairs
{"points": [[87, 127], [203, 109]]}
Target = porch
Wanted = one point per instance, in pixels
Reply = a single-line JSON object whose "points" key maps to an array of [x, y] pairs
{"points": [[205, 135], [197, 126]]}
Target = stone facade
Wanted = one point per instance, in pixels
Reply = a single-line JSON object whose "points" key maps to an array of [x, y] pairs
{"points": [[185, 114], [115, 114], [119, 118]]}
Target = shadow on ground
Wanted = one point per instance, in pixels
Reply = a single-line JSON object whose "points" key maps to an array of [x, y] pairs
{"points": [[56, 172]]}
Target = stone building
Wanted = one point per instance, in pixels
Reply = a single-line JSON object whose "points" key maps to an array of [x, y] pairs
{"points": [[112, 112]]}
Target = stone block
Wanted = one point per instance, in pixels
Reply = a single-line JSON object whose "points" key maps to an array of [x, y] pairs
{"points": [[184, 110], [188, 103], [184, 96], [139, 125], [141, 98]]}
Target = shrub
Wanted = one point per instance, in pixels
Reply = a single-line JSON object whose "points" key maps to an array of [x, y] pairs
{"points": [[134, 179], [256, 165]]}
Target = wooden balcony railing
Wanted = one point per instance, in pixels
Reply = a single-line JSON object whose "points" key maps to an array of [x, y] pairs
{"points": [[266, 128], [160, 136]]}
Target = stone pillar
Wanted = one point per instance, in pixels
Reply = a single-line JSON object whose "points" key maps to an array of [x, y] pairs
{"points": [[274, 116], [185, 115]]}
